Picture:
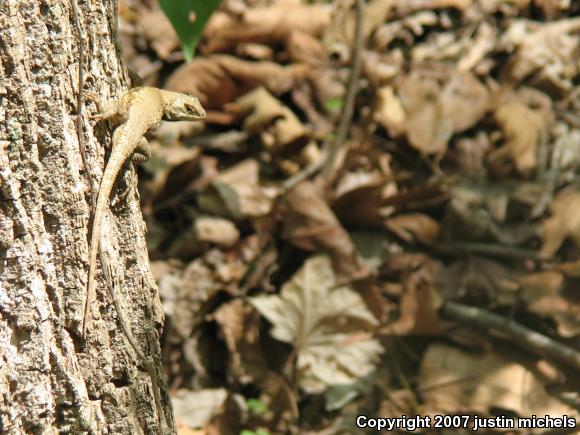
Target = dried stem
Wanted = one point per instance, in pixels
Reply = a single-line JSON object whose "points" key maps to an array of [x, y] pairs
{"points": [[518, 334], [352, 88]]}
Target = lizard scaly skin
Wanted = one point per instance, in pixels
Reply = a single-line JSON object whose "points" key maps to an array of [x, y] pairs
{"points": [[139, 112]]}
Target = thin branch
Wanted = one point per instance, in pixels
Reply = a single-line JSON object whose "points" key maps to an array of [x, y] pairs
{"points": [[518, 334], [352, 88], [493, 249]]}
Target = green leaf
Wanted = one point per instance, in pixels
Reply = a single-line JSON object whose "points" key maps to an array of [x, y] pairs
{"points": [[333, 104], [257, 406], [188, 18]]}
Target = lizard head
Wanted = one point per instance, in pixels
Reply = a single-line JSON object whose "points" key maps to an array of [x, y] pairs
{"points": [[183, 107]]}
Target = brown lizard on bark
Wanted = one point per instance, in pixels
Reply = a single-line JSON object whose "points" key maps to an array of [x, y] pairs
{"points": [[138, 113]]}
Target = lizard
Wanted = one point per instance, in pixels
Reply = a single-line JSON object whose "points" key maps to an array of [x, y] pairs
{"points": [[138, 114]]}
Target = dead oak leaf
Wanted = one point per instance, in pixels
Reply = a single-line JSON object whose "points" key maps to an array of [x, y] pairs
{"points": [[328, 325]]}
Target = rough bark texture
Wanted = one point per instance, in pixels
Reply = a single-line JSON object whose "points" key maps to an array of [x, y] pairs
{"points": [[51, 382]]}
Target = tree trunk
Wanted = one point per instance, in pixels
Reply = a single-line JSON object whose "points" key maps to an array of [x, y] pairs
{"points": [[50, 380]]}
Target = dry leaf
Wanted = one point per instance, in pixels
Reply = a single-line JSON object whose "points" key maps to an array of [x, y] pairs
{"points": [[328, 325], [279, 128], [544, 49], [368, 190], [428, 130], [564, 222], [485, 40], [414, 227], [220, 79], [389, 111], [311, 225], [240, 327], [216, 230], [236, 193], [266, 25], [421, 299], [435, 113], [545, 294], [458, 382], [159, 32], [305, 48], [522, 128], [194, 409], [339, 35], [465, 101]]}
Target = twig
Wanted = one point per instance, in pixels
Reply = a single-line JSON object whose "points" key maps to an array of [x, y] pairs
{"points": [[495, 250], [520, 335], [352, 88]]}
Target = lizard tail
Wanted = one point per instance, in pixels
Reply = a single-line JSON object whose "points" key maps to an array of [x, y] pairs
{"points": [[107, 181]]}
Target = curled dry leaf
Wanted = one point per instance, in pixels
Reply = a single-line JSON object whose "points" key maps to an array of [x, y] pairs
{"points": [[485, 40], [456, 381], [220, 79], [406, 28], [421, 299], [564, 222], [381, 68], [389, 111], [239, 325], [305, 48], [266, 25], [220, 231], [544, 49], [545, 294], [279, 128], [413, 227], [329, 326], [522, 130], [236, 193], [311, 225], [368, 190]]}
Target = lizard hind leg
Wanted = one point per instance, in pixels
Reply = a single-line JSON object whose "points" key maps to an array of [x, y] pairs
{"points": [[142, 153]]}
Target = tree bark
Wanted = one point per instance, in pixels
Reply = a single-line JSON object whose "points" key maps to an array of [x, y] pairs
{"points": [[50, 381]]}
